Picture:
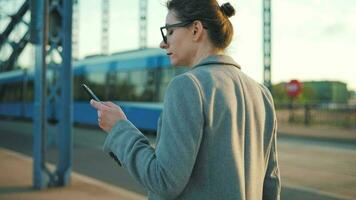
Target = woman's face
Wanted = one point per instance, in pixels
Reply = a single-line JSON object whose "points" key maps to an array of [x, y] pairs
{"points": [[179, 46]]}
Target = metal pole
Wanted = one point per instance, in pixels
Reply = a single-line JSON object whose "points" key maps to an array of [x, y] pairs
{"points": [[60, 40], [267, 43], [143, 24], [105, 14], [65, 119], [75, 30], [40, 178]]}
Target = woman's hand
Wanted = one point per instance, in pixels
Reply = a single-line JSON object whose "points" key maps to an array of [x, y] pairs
{"points": [[108, 114]]}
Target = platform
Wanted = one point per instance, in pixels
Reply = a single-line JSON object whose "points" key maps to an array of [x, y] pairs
{"points": [[16, 184], [316, 163]]}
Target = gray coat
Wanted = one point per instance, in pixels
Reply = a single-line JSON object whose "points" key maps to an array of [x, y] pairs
{"points": [[216, 138]]}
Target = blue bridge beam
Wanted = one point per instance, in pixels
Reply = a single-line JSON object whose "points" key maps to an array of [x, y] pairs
{"points": [[51, 28]]}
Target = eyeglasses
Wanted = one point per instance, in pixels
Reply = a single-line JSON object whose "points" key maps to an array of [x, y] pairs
{"points": [[164, 29]]}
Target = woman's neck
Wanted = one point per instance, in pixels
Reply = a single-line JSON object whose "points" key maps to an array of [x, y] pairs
{"points": [[203, 52]]}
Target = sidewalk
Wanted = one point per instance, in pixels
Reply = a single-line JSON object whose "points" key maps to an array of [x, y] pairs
{"points": [[329, 133], [16, 184], [311, 171]]}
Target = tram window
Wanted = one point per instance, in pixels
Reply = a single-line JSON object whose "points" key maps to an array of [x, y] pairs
{"points": [[29, 91], [151, 76], [122, 76], [97, 78], [111, 79], [139, 92], [78, 92], [137, 85], [138, 80], [149, 93], [125, 90], [96, 81], [6, 92], [11, 92], [17, 91], [136, 77], [2, 92]]}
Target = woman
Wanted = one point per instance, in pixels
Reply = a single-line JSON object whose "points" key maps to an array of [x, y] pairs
{"points": [[217, 132]]}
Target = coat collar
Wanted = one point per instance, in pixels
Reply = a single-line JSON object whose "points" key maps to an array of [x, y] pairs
{"points": [[218, 59]]}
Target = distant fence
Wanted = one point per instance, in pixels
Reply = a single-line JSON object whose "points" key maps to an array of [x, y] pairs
{"points": [[330, 114]]}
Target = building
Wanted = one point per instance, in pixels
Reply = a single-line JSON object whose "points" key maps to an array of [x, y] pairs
{"points": [[325, 92], [314, 92]]}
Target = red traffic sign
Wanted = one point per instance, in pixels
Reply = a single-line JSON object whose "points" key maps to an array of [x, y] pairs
{"points": [[294, 88]]}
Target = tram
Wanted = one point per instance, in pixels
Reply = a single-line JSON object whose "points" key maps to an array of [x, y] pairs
{"points": [[136, 80]]}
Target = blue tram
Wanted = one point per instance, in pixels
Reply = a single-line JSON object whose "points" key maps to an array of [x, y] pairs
{"points": [[136, 80]]}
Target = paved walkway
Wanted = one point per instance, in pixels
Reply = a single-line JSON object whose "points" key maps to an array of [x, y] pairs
{"points": [[16, 177], [16, 170], [318, 132]]}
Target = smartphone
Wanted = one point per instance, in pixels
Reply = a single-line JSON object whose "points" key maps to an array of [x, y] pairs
{"points": [[91, 93]]}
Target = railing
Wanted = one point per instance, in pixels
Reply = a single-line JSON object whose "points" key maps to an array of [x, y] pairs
{"points": [[341, 115]]}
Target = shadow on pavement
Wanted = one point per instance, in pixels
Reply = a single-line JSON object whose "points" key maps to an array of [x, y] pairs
{"points": [[16, 189]]}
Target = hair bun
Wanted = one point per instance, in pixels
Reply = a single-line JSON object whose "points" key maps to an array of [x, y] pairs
{"points": [[227, 9]]}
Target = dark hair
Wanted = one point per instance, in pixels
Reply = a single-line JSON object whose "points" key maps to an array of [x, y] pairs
{"points": [[213, 17]]}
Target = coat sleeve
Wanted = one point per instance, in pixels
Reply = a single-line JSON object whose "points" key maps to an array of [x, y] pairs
{"points": [[164, 171], [272, 181]]}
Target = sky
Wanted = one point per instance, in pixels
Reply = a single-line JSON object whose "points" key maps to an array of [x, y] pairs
{"points": [[311, 39]]}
